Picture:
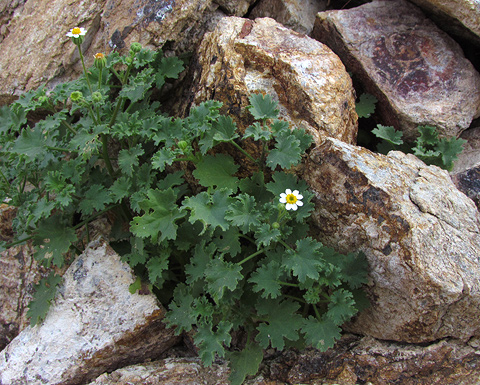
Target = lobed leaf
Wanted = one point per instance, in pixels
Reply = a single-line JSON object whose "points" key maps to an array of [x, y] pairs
{"points": [[44, 294], [262, 107]]}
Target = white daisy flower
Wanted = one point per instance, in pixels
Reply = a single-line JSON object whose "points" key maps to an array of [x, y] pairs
{"points": [[292, 199], [77, 32]]}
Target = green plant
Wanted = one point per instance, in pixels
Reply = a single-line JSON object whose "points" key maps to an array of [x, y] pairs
{"points": [[220, 233], [428, 147]]}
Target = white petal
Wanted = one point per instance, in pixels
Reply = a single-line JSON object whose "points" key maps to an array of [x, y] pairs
{"points": [[288, 191], [283, 200], [299, 203], [299, 196]]}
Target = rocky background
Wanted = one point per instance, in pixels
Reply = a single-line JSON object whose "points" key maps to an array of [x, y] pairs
{"points": [[418, 225]]}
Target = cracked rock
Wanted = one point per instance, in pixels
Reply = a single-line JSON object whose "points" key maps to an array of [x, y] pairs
{"points": [[94, 325], [241, 57], [420, 234]]}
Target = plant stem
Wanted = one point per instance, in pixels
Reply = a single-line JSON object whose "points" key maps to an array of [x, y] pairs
{"points": [[61, 149], [105, 156], [84, 68], [243, 151], [287, 284], [8, 245], [250, 256], [69, 127], [95, 216]]}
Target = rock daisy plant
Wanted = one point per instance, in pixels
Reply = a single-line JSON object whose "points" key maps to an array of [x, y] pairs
{"points": [[220, 234]]}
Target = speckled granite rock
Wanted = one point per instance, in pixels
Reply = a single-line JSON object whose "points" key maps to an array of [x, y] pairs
{"points": [[94, 325], [420, 234], [241, 57]]}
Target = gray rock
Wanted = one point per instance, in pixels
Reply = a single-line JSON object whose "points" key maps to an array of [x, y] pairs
{"points": [[420, 234], [242, 57], [94, 325], [298, 15], [184, 371], [466, 169], [418, 73]]}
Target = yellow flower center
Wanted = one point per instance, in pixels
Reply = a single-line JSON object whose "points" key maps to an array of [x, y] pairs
{"points": [[99, 56], [291, 198], [76, 31]]}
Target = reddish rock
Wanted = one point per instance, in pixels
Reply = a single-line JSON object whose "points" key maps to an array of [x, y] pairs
{"points": [[356, 360], [418, 73], [458, 17]]}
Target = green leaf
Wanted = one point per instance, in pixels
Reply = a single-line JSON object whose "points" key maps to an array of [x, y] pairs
{"points": [[171, 67], [322, 335], [11, 119], [156, 266], [128, 159], [224, 129], [389, 134], [198, 263], [286, 153], [137, 87], [283, 322], [341, 306], [303, 137], [365, 105], [243, 213], [267, 279], [120, 189], [44, 294], [306, 260], [221, 275], [266, 234], [144, 57], [428, 136], [95, 198], [263, 107], [450, 149], [209, 209], [211, 342], [257, 132], [217, 171], [163, 157], [181, 314], [244, 363], [227, 242], [353, 267], [135, 286], [31, 144], [60, 237], [161, 214]]}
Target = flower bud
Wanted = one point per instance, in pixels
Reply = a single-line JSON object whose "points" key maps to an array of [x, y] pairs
{"points": [[129, 60], [100, 60], [97, 97], [182, 145], [76, 96], [276, 225], [135, 47]]}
